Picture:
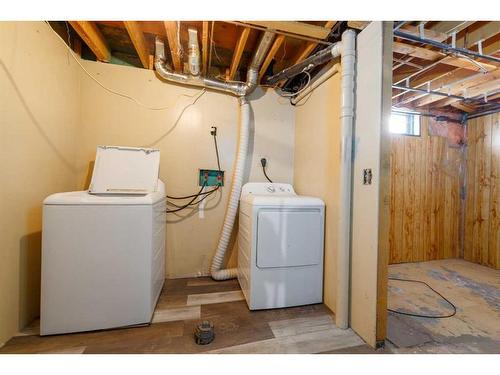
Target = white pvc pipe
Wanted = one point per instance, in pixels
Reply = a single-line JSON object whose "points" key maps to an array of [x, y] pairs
{"points": [[348, 59], [216, 270]]}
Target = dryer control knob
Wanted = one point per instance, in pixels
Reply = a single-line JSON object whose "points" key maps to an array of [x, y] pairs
{"points": [[271, 189]]}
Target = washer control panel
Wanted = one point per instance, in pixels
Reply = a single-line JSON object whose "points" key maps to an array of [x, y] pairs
{"points": [[267, 188]]}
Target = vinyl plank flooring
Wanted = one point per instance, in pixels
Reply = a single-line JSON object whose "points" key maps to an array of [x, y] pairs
{"points": [[311, 342], [209, 298], [177, 313]]}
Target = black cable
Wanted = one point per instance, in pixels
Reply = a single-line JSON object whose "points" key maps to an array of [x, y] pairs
{"points": [[263, 162], [193, 195], [421, 315], [207, 194], [214, 133], [191, 201]]}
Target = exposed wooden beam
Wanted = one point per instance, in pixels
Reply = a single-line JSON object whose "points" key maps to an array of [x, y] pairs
{"points": [[468, 86], [427, 54], [474, 91], [437, 84], [238, 52], [93, 38], [484, 32], [463, 107], [138, 40], [449, 27], [310, 46], [359, 25], [428, 33], [173, 43], [294, 27], [270, 55], [204, 48]]}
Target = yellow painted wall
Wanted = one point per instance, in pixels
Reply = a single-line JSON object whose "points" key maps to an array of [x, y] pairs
{"points": [[316, 165], [39, 114], [111, 120], [52, 118]]}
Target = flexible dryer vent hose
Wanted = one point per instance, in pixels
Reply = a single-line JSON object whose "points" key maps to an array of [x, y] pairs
{"points": [[234, 197]]}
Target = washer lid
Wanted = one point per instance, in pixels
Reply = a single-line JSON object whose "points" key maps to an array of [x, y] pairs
{"points": [[81, 198], [125, 170]]}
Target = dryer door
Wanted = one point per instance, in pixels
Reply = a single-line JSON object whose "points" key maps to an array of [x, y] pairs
{"points": [[290, 237]]}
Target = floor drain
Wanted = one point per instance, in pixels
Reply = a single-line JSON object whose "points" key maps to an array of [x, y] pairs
{"points": [[204, 333]]}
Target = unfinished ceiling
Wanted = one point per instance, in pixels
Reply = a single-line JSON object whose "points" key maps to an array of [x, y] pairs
{"points": [[446, 65], [462, 75]]}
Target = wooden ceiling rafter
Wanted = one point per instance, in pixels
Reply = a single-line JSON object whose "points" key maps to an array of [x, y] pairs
{"points": [[139, 42], [238, 52], [204, 48], [92, 36], [310, 46], [270, 55], [294, 27], [173, 38]]}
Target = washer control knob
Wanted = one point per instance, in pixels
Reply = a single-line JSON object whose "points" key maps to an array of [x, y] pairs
{"points": [[271, 189]]}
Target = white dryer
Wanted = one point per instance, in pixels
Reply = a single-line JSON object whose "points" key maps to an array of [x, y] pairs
{"points": [[280, 257], [103, 251]]}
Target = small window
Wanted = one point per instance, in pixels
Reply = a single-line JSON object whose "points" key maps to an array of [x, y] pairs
{"points": [[405, 123]]}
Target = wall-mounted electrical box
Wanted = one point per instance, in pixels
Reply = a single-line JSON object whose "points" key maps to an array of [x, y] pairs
{"points": [[211, 177]]}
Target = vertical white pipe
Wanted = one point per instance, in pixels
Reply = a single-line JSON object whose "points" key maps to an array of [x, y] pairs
{"points": [[348, 59]]}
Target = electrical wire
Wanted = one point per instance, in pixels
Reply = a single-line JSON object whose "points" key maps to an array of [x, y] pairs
{"points": [[423, 315], [265, 174], [191, 201], [216, 150], [112, 91], [193, 195], [194, 203]]}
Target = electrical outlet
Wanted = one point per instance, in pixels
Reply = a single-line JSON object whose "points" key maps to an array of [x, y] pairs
{"points": [[211, 177]]}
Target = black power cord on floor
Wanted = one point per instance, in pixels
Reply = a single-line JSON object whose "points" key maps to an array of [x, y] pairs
{"points": [[422, 315]]}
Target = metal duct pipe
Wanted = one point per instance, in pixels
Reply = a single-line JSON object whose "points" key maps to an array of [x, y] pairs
{"points": [[430, 92], [318, 58], [232, 87]]}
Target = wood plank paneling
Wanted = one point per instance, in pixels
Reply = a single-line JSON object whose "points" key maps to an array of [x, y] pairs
{"points": [[425, 199], [482, 207]]}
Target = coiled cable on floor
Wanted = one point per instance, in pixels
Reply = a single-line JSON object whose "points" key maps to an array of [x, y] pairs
{"points": [[423, 315]]}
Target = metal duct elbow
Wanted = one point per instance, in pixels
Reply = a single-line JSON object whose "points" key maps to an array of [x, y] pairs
{"points": [[232, 87]]}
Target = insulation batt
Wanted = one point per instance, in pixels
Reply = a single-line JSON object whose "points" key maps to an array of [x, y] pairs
{"points": [[452, 129]]}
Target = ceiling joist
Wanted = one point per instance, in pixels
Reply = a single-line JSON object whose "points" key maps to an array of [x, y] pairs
{"points": [[294, 27], [238, 52], [270, 55], [138, 40], [91, 35], [173, 38]]}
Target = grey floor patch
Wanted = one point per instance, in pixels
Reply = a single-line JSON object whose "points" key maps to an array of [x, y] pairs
{"points": [[404, 335]]}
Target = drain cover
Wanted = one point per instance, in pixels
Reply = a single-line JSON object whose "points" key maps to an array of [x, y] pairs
{"points": [[204, 333]]}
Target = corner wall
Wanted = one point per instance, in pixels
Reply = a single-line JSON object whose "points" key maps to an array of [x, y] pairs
{"points": [[39, 115], [317, 166]]}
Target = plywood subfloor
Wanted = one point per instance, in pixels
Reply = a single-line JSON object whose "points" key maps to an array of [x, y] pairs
{"points": [[472, 288], [182, 304]]}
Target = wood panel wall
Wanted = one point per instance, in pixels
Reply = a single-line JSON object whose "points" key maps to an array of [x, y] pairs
{"points": [[425, 198], [482, 205]]}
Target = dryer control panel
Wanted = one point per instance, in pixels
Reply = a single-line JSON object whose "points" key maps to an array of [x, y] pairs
{"points": [[267, 188]]}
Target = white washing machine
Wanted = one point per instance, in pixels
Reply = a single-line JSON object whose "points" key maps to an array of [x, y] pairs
{"points": [[280, 257], [103, 250]]}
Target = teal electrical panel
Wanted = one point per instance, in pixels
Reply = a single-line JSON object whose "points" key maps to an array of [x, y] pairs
{"points": [[211, 177]]}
